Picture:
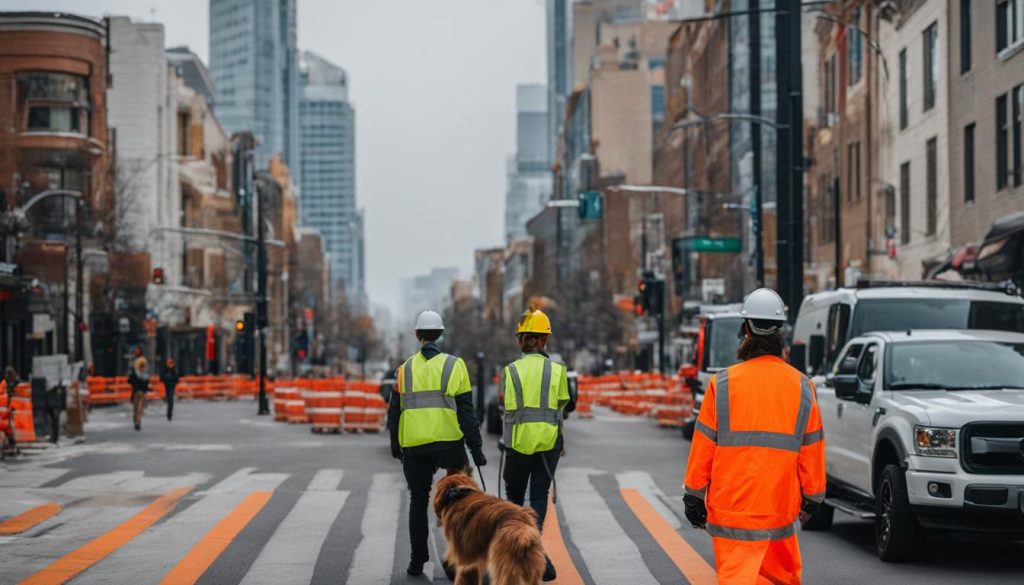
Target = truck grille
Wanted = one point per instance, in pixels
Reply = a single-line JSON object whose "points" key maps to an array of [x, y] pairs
{"points": [[994, 448]]}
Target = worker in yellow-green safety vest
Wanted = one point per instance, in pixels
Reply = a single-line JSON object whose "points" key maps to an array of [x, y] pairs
{"points": [[536, 394], [431, 421]]}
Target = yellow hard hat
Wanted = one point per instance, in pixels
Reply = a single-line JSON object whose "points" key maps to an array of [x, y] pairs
{"points": [[534, 321]]}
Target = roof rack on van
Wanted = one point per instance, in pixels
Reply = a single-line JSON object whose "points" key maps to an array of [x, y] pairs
{"points": [[1008, 286]]}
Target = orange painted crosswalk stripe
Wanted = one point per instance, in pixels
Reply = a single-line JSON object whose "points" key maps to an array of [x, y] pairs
{"points": [[689, 562], [29, 518], [65, 568], [555, 547], [194, 564]]}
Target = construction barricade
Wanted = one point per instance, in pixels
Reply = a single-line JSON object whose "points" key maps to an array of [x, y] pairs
{"points": [[324, 403]]}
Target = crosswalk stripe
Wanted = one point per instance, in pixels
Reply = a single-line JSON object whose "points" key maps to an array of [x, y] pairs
{"points": [[610, 554], [555, 547], [65, 568], [291, 553], [29, 518], [689, 562], [153, 554], [194, 564], [374, 558]]}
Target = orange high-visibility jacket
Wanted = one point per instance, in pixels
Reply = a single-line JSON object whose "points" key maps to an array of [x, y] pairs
{"points": [[758, 451]]}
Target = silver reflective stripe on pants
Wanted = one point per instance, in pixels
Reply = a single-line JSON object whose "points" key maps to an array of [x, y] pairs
{"points": [[750, 534], [413, 399], [784, 441], [523, 414]]}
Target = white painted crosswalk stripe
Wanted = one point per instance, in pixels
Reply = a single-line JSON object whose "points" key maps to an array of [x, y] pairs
{"points": [[291, 553], [150, 556], [375, 556], [611, 556]]}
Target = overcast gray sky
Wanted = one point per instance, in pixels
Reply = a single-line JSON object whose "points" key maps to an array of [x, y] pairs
{"points": [[433, 82]]}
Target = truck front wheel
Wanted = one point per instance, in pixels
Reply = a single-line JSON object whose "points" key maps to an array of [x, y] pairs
{"points": [[896, 529]]}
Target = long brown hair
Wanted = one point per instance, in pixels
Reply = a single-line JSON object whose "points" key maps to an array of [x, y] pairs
{"points": [[754, 346], [530, 342]]}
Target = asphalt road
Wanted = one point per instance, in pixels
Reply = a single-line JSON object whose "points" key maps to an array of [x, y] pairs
{"points": [[221, 496]]}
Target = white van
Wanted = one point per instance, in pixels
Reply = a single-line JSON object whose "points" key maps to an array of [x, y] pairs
{"points": [[828, 320]]}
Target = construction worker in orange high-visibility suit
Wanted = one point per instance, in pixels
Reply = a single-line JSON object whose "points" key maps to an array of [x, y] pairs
{"points": [[757, 462]]}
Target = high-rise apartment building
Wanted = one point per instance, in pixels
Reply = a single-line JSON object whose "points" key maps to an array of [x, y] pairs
{"points": [[328, 171], [254, 63], [529, 176]]}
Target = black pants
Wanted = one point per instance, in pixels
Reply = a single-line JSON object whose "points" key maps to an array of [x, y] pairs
{"points": [[53, 421], [522, 469], [419, 474], [169, 397]]}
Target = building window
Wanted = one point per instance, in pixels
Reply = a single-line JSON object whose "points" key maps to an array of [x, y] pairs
{"points": [[1017, 95], [183, 131], [905, 203], [1009, 24], [932, 161], [55, 102], [931, 65], [831, 77], [965, 36], [904, 107], [1002, 143], [969, 163], [855, 50], [856, 170]]}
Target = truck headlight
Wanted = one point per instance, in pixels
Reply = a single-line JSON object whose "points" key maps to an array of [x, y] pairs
{"points": [[935, 442]]}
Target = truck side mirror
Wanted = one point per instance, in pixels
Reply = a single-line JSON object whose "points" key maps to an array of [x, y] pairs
{"points": [[846, 386]]}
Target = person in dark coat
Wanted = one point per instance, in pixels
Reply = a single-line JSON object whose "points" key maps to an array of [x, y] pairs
{"points": [[138, 379], [170, 379]]}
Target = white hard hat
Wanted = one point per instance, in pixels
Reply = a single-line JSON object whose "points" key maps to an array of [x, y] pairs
{"points": [[764, 304], [429, 321]]}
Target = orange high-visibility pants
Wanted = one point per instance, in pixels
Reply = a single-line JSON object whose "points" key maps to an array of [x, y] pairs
{"points": [[757, 562]]}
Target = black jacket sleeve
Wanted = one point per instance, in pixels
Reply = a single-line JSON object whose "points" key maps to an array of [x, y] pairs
{"points": [[467, 421], [394, 412]]}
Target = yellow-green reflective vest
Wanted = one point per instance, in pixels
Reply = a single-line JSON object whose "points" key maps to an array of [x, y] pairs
{"points": [[535, 389], [428, 389]]}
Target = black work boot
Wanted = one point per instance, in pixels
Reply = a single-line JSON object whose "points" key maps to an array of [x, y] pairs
{"points": [[549, 570], [449, 571], [415, 567]]}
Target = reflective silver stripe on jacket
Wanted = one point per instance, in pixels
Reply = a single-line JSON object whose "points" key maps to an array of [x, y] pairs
{"points": [[726, 437], [818, 497], [529, 414], [749, 534], [413, 399], [701, 493]]}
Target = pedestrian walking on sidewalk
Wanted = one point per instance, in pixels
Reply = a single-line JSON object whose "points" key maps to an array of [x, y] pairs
{"points": [[536, 392], [431, 421], [138, 379], [170, 379], [757, 462]]}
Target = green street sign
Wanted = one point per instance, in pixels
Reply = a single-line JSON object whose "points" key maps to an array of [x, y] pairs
{"points": [[591, 205], [703, 244]]}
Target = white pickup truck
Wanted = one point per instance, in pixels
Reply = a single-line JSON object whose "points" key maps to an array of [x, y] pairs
{"points": [[924, 432]]}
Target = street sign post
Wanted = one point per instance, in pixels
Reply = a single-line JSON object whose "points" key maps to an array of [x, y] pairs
{"points": [[705, 244]]}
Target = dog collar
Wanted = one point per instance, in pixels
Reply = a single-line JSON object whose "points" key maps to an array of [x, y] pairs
{"points": [[454, 494]]}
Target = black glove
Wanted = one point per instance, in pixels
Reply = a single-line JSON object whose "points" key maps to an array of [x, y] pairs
{"points": [[479, 459], [810, 508], [396, 451], [696, 511]]}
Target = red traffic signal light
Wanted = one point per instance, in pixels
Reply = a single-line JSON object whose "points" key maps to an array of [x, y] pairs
{"points": [[301, 354], [158, 276], [640, 305], [641, 286]]}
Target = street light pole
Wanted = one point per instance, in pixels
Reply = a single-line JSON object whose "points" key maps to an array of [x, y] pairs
{"points": [[261, 297], [789, 179]]}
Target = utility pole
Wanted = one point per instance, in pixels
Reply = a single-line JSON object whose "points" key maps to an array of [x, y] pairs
{"points": [[755, 140], [79, 286], [261, 296], [789, 179]]}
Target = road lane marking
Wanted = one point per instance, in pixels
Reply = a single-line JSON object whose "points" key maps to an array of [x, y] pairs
{"points": [[194, 564], [374, 559], [291, 553], [642, 482], [611, 556], [555, 547], [73, 563], [689, 562], [29, 518], [154, 553]]}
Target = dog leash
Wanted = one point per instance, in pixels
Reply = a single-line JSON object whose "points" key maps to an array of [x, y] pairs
{"points": [[483, 483], [554, 486]]}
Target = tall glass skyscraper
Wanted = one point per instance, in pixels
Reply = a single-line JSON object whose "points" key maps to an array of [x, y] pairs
{"points": [[328, 163], [254, 64], [529, 171]]}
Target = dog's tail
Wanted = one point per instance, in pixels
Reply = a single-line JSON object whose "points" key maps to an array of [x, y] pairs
{"points": [[516, 555]]}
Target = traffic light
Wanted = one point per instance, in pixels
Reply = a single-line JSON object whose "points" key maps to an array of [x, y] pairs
{"points": [[158, 276], [244, 345], [300, 345], [591, 205], [240, 326], [650, 295], [641, 304]]}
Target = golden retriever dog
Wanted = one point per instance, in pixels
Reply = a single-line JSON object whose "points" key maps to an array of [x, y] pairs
{"points": [[487, 535]]}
